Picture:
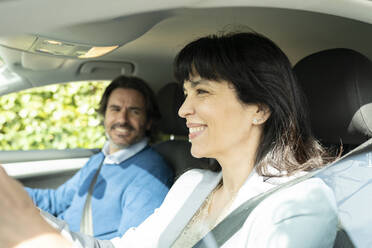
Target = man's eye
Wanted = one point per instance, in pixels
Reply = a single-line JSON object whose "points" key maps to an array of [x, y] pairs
{"points": [[114, 109], [135, 111]]}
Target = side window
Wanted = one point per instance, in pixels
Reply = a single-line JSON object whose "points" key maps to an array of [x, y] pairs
{"points": [[60, 116]]}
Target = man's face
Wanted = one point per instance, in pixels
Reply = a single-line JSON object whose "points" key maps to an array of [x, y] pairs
{"points": [[125, 118]]}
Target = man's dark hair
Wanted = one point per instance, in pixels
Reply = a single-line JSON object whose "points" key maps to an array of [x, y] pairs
{"points": [[135, 83]]}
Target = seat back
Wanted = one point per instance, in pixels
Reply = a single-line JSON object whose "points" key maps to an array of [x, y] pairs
{"points": [[177, 152], [338, 84]]}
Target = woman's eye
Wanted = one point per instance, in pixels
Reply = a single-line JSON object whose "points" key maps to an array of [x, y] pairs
{"points": [[201, 91]]}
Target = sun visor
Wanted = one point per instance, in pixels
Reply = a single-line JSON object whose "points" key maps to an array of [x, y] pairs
{"points": [[37, 62], [101, 68]]}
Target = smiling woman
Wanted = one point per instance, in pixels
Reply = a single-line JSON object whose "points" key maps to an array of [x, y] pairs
{"points": [[263, 81]]}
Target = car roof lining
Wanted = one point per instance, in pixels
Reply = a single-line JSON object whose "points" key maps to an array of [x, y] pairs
{"points": [[150, 40], [30, 16]]}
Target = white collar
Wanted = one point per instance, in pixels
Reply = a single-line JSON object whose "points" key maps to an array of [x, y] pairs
{"points": [[123, 154]]}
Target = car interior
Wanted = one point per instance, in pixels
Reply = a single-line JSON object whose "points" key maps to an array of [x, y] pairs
{"points": [[328, 43]]}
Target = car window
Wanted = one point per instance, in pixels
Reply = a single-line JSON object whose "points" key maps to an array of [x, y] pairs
{"points": [[60, 116]]}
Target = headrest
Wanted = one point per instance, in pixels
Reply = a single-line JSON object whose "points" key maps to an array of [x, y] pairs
{"points": [[338, 85], [170, 98]]}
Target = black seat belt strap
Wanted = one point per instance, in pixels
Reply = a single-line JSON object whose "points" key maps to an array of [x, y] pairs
{"points": [[235, 220]]}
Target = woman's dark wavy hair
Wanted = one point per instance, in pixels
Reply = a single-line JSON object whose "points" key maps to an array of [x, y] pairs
{"points": [[260, 73], [135, 83]]}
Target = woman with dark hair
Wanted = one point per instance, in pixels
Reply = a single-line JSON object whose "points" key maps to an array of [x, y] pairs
{"points": [[259, 73], [244, 108]]}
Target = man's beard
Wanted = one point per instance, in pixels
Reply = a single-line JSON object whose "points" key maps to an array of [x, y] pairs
{"points": [[121, 146]]}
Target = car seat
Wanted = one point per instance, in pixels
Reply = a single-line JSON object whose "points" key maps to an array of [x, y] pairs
{"points": [[338, 84], [177, 151]]}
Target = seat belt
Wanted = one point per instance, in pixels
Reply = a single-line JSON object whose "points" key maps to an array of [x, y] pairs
{"points": [[86, 224], [235, 220]]}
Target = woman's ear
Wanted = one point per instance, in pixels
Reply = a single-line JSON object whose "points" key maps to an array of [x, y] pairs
{"points": [[262, 114]]}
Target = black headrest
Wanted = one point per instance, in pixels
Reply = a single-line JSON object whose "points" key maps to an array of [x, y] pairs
{"points": [[170, 98], [338, 85]]}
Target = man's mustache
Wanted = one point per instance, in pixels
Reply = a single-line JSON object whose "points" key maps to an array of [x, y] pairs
{"points": [[122, 125]]}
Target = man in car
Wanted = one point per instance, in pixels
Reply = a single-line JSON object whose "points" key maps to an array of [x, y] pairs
{"points": [[121, 186]]}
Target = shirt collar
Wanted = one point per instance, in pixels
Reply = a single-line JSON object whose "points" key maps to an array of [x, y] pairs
{"points": [[123, 154]]}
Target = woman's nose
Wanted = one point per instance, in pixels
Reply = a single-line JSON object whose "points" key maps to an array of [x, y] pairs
{"points": [[186, 108]]}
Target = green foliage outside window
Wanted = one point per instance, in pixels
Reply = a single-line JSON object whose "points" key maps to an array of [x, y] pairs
{"points": [[53, 117]]}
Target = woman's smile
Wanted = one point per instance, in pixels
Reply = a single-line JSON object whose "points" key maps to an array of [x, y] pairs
{"points": [[196, 130]]}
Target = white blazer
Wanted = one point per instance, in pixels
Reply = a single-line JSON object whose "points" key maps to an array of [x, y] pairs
{"points": [[304, 215]]}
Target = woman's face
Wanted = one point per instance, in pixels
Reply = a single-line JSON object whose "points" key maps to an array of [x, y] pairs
{"points": [[218, 122]]}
